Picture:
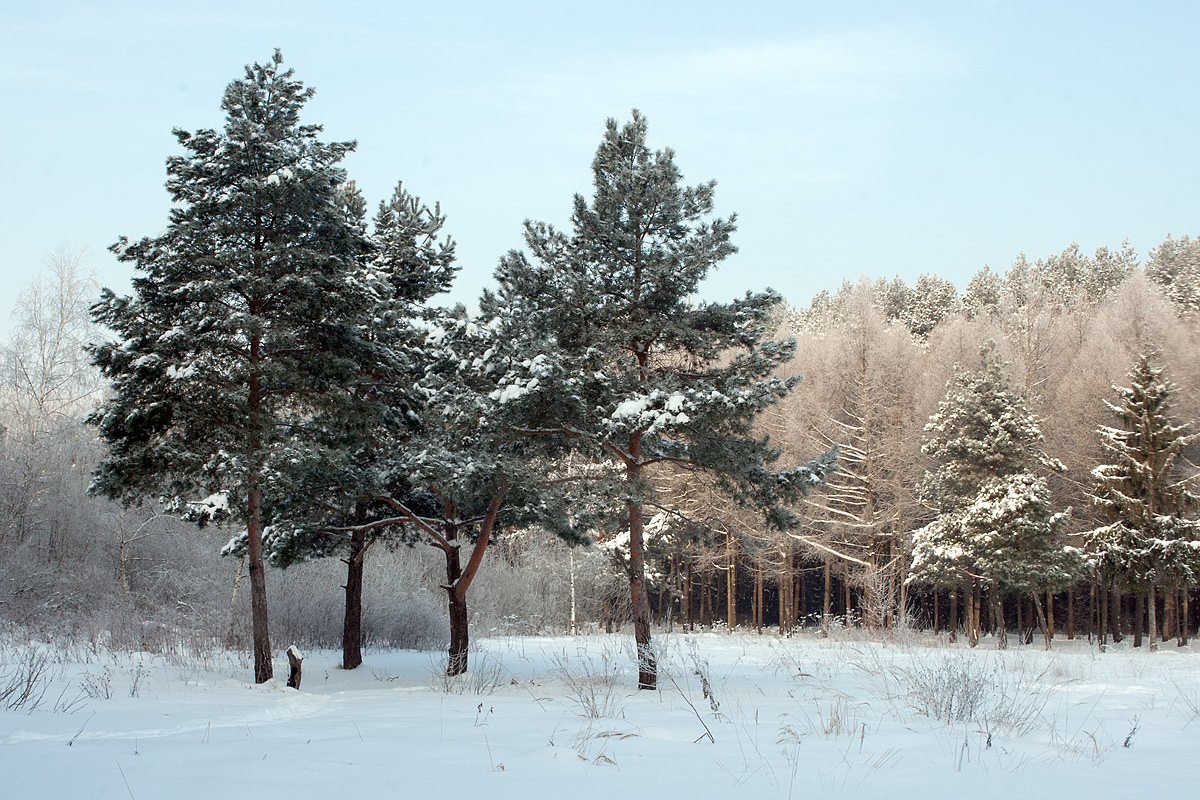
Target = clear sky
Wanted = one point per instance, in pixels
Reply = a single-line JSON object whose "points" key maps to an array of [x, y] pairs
{"points": [[850, 138]]}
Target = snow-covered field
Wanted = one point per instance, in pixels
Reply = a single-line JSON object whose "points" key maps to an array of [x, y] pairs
{"points": [[558, 717]]}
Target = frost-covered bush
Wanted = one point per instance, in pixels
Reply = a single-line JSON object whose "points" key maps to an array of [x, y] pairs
{"points": [[961, 688]]}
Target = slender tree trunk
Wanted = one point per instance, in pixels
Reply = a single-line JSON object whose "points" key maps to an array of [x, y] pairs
{"points": [[1043, 621], [1070, 614], [352, 623], [827, 599], [263, 670], [849, 597], [1049, 615], [937, 622], [1114, 617], [998, 618], [973, 615], [731, 584], [1170, 613], [639, 600], [1139, 619], [785, 582], [1152, 612], [953, 621], [1184, 617], [797, 591], [688, 619]]}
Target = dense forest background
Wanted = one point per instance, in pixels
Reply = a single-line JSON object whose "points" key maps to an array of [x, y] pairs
{"points": [[876, 356]]}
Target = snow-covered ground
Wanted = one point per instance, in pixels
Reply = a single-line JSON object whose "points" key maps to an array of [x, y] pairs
{"points": [[558, 717]]}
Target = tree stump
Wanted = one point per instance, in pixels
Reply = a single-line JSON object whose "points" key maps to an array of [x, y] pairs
{"points": [[295, 659]]}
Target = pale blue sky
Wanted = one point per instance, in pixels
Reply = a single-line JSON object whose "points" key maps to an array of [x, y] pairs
{"points": [[850, 138]]}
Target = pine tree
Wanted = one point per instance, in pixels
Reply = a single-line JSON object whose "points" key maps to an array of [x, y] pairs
{"points": [[624, 368], [993, 523], [1151, 540], [332, 506], [244, 324]]}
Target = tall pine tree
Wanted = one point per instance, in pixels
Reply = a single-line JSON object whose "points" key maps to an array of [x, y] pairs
{"points": [[624, 368], [1153, 538], [244, 323]]}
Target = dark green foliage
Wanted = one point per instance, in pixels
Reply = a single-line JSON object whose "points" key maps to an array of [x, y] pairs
{"points": [[1145, 490], [240, 330], [993, 513]]}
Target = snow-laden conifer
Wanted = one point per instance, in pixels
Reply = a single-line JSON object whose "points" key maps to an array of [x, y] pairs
{"points": [[243, 327], [624, 368], [993, 523], [1152, 538]]}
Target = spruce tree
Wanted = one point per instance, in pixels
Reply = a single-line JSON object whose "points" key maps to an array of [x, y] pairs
{"points": [[625, 369], [993, 521], [1152, 539], [244, 324]]}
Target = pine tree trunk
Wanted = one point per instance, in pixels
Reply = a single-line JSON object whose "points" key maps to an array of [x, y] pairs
{"points": [[639, 600], [1170, 614], [953, 621], [757, 597], [1049, 615], [1070, 614], [1114, 617], [731, 584], [1139, 619], [1184, 617], [785, 582], [263, 669], [827, 600], [1100, 604], [998, 618], [689, 620], [797, 591], [973, 615], [459, 579], [1043, 621], [352, 622], [849, 598], [460, 636], [1152, 611], [457, 655], [937, 608]]}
